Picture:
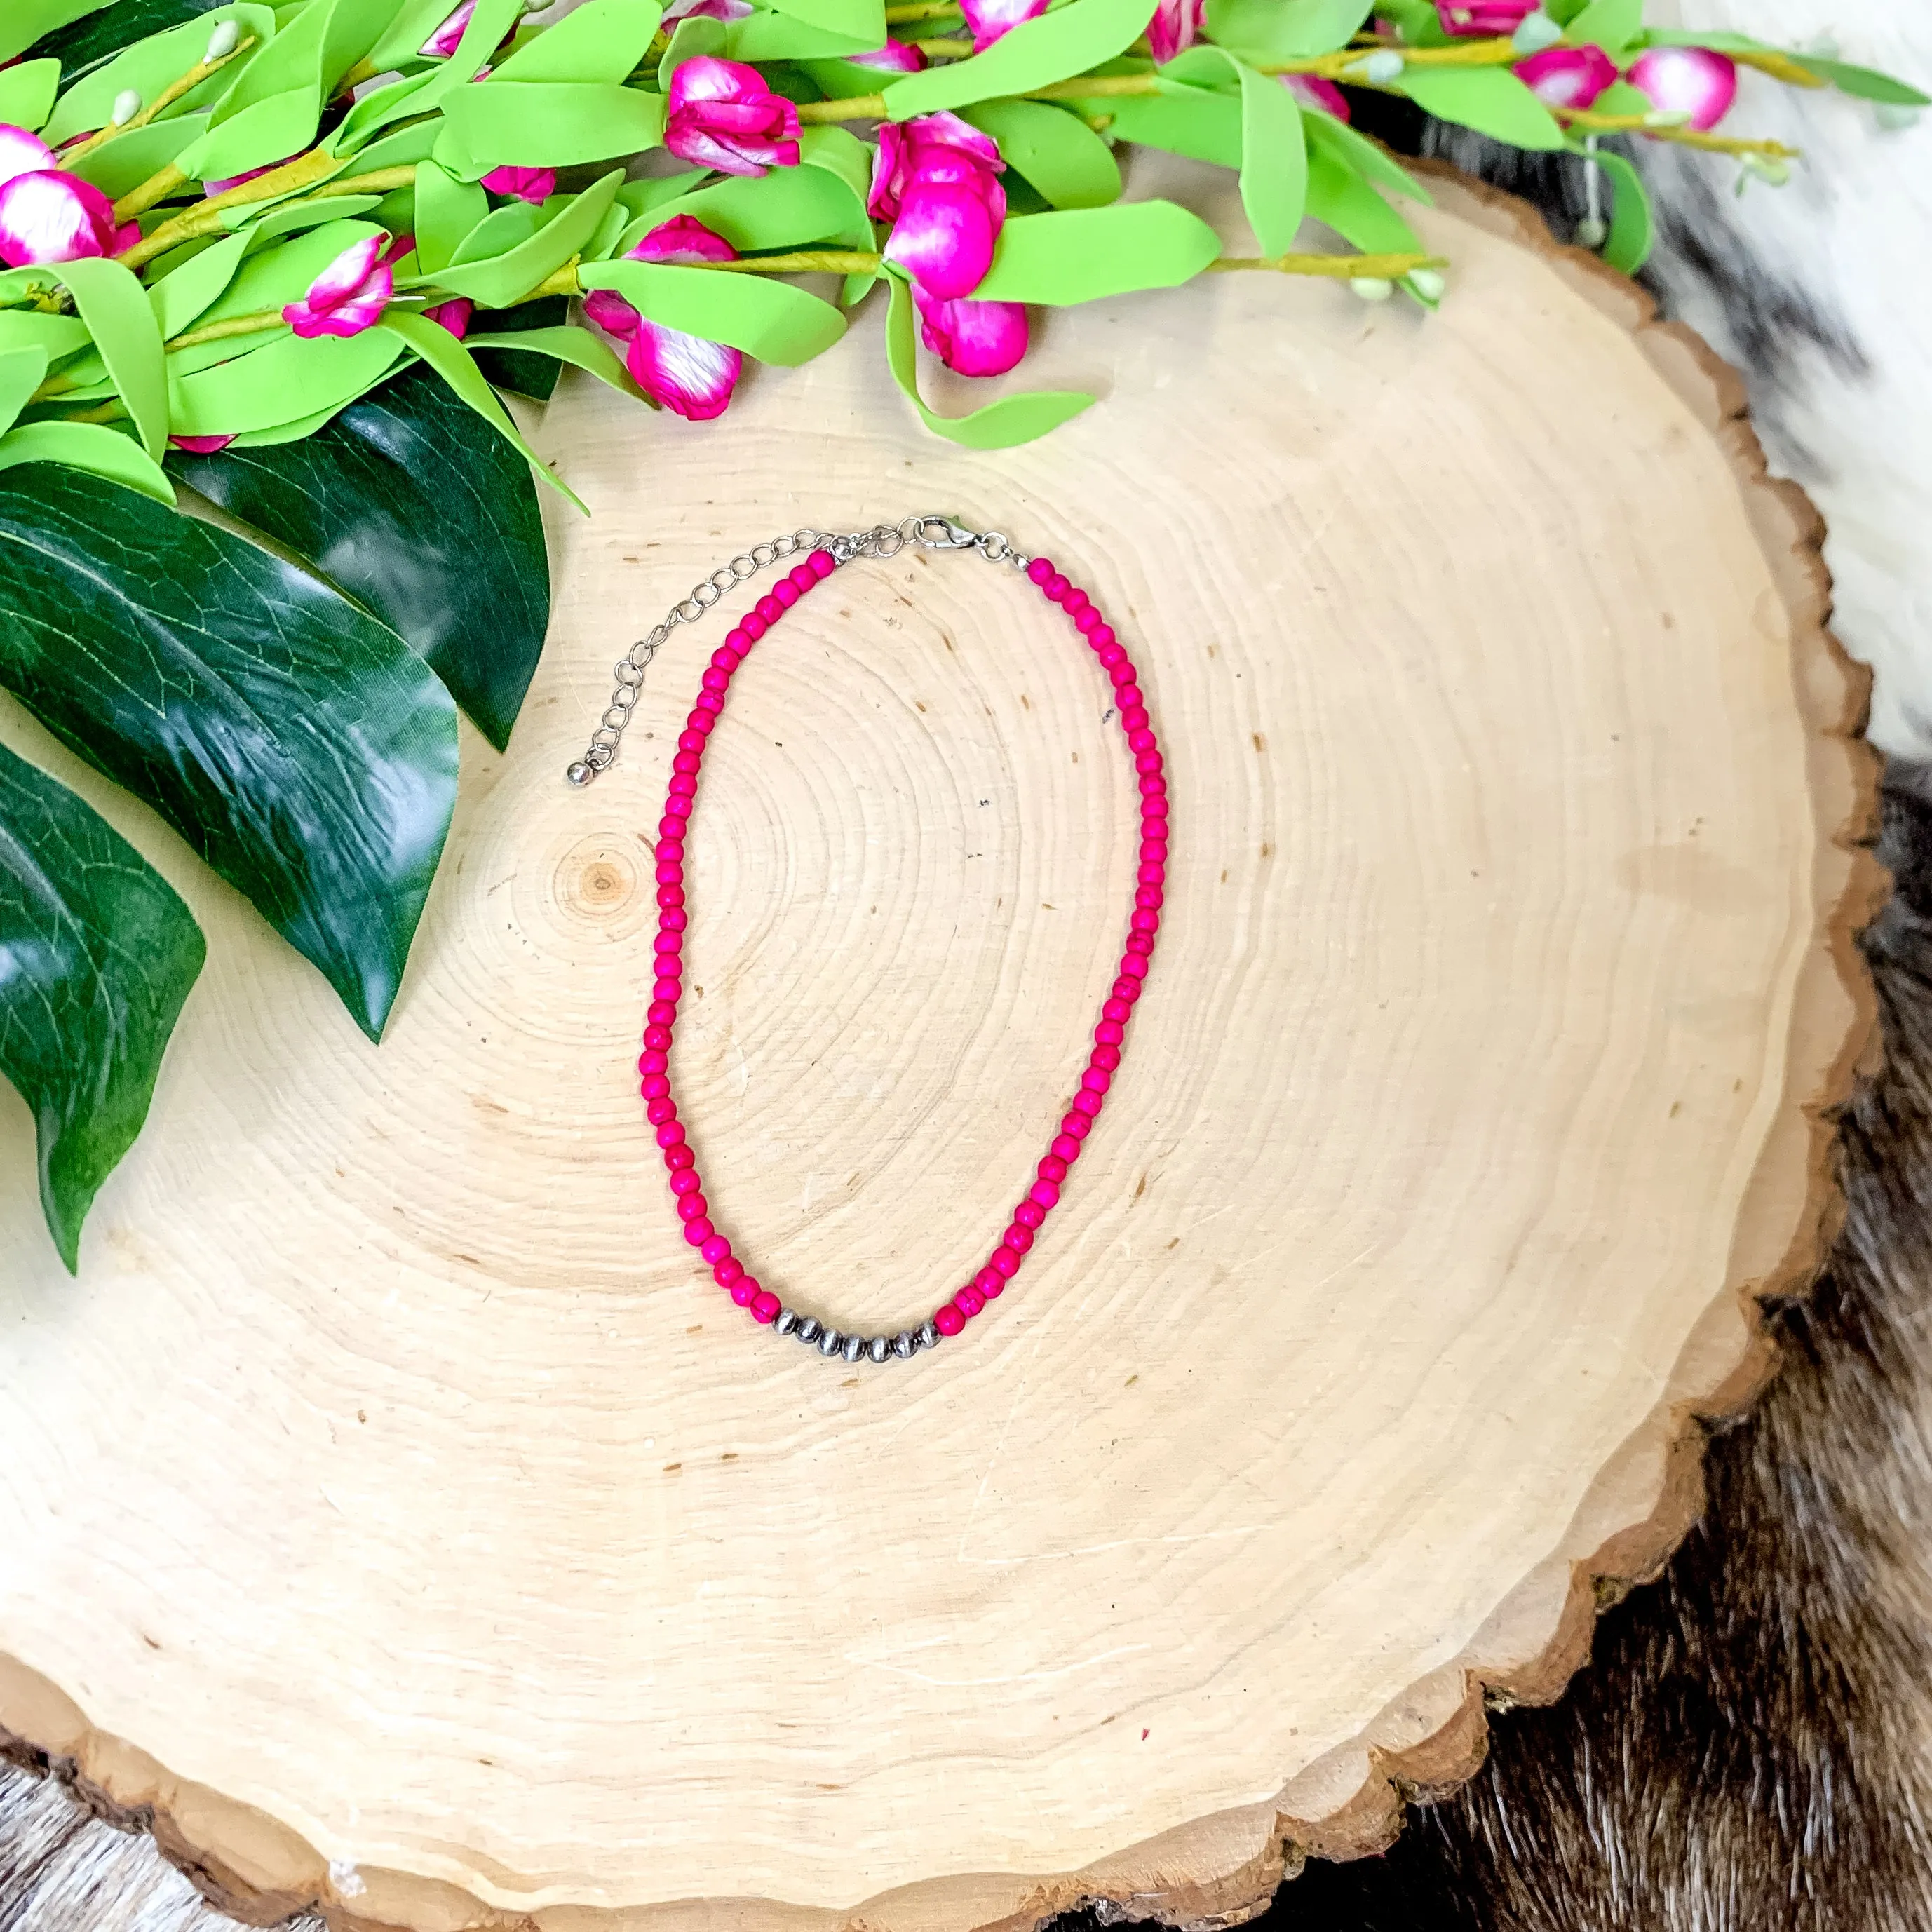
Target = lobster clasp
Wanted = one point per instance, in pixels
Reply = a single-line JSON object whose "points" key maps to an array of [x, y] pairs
{"points": [[940, 533]]}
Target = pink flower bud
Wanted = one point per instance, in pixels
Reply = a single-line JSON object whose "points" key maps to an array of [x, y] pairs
{"points": [[534, 185], [1481, 19], [720, 114], [453, 315], [1312, 91], [448, 37], [47, 217], [684, 374], [975, 338], [1687, 80], [201, 446], [895, 57], [1570, 77], [1174, 28], [990, 19], [349, 295]]}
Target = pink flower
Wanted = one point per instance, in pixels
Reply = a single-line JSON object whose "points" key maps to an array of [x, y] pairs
{"points": [[1174, 24], [937, 180], [349, 295], [201, 446], [1312, 91], [1482, 18], [448, 37], [453, 315], [534, 185], [722, 114], [990, 19], [1566, 77], [975, 338], [895, 57], [1687, 80], [685, 373], [46, 216], [705, 10]]}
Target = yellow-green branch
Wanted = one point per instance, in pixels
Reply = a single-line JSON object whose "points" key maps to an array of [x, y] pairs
{"points": [[165, 99], [205, 218]]}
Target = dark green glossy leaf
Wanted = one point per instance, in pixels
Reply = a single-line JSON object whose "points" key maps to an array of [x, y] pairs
{"points": [[298, 744], [528, 373], [410, 502], [97, 954], [100, 34]]}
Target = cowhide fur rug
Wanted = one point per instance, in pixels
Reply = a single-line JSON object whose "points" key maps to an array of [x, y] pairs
{"points": [[1750, 1749]]}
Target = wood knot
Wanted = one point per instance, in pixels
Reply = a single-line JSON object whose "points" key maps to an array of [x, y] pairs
{"points": [[598, 878]]}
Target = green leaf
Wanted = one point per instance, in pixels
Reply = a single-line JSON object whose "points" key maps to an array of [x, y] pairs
{"points": [[457, 367], [1054, 149], [1085, 254], [863, 21], [785, 208], [509, 277], [402, 149], [58, 335], [695, 34], [149, 65], [1628, 244], [100, 955], [27, 92], [27, 20], [1865, 83], [425, 93], [182, 296], [764, 316], [287, 378], [1620, 97], [447, 209], [92, 447], [1362, 156], [21, 372], [1286, 29], [545, 125], [111, 300], [764, 36], [1066, 41], [577, 347], [1339, 199], [403, 39], [408, 501], [1274, 156], [288, 216], [1490, 99], [1611, 25], [299, 745], [258, 137], [603, 40], [1204, 127], [998, 425], [129, 159]]}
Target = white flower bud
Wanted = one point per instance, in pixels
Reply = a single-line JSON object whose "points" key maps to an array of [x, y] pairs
{"points": [[1592, 231], [1427, 282], [1382, 67], [1535, 32], [1769, 168], [126, 105], [1894, 117], [222, 42], [1372, 288]]}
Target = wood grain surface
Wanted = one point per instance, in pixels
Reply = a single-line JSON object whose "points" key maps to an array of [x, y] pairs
{"points": [[1477, 1084]]}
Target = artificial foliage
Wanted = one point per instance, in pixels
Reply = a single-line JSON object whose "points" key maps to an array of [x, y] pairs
{"points": [[289, 258]]}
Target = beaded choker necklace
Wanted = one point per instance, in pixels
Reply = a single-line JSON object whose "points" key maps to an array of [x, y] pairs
{"points": [[821, 554]]}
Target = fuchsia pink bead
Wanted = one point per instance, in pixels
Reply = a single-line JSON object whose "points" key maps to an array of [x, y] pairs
{"points": [[1095, 1079]]}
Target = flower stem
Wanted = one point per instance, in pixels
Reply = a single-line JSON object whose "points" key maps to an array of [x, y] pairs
{"points": [[856, 107], [1334, 267], [165, 99], [922, 10], [945, 46], [1685, 137], [157, 187], [234, 324], [206, 218]]}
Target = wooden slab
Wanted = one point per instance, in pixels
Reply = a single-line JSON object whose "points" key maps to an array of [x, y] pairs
{"points": [[392, 1511]]}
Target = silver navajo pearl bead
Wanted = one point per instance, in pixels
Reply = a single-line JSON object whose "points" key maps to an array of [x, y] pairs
{"points": [[784, 1322], [830, 1342], [929, 1337], [809, 1329], [855, 1347], [878, 1348], [903, 1346]]}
